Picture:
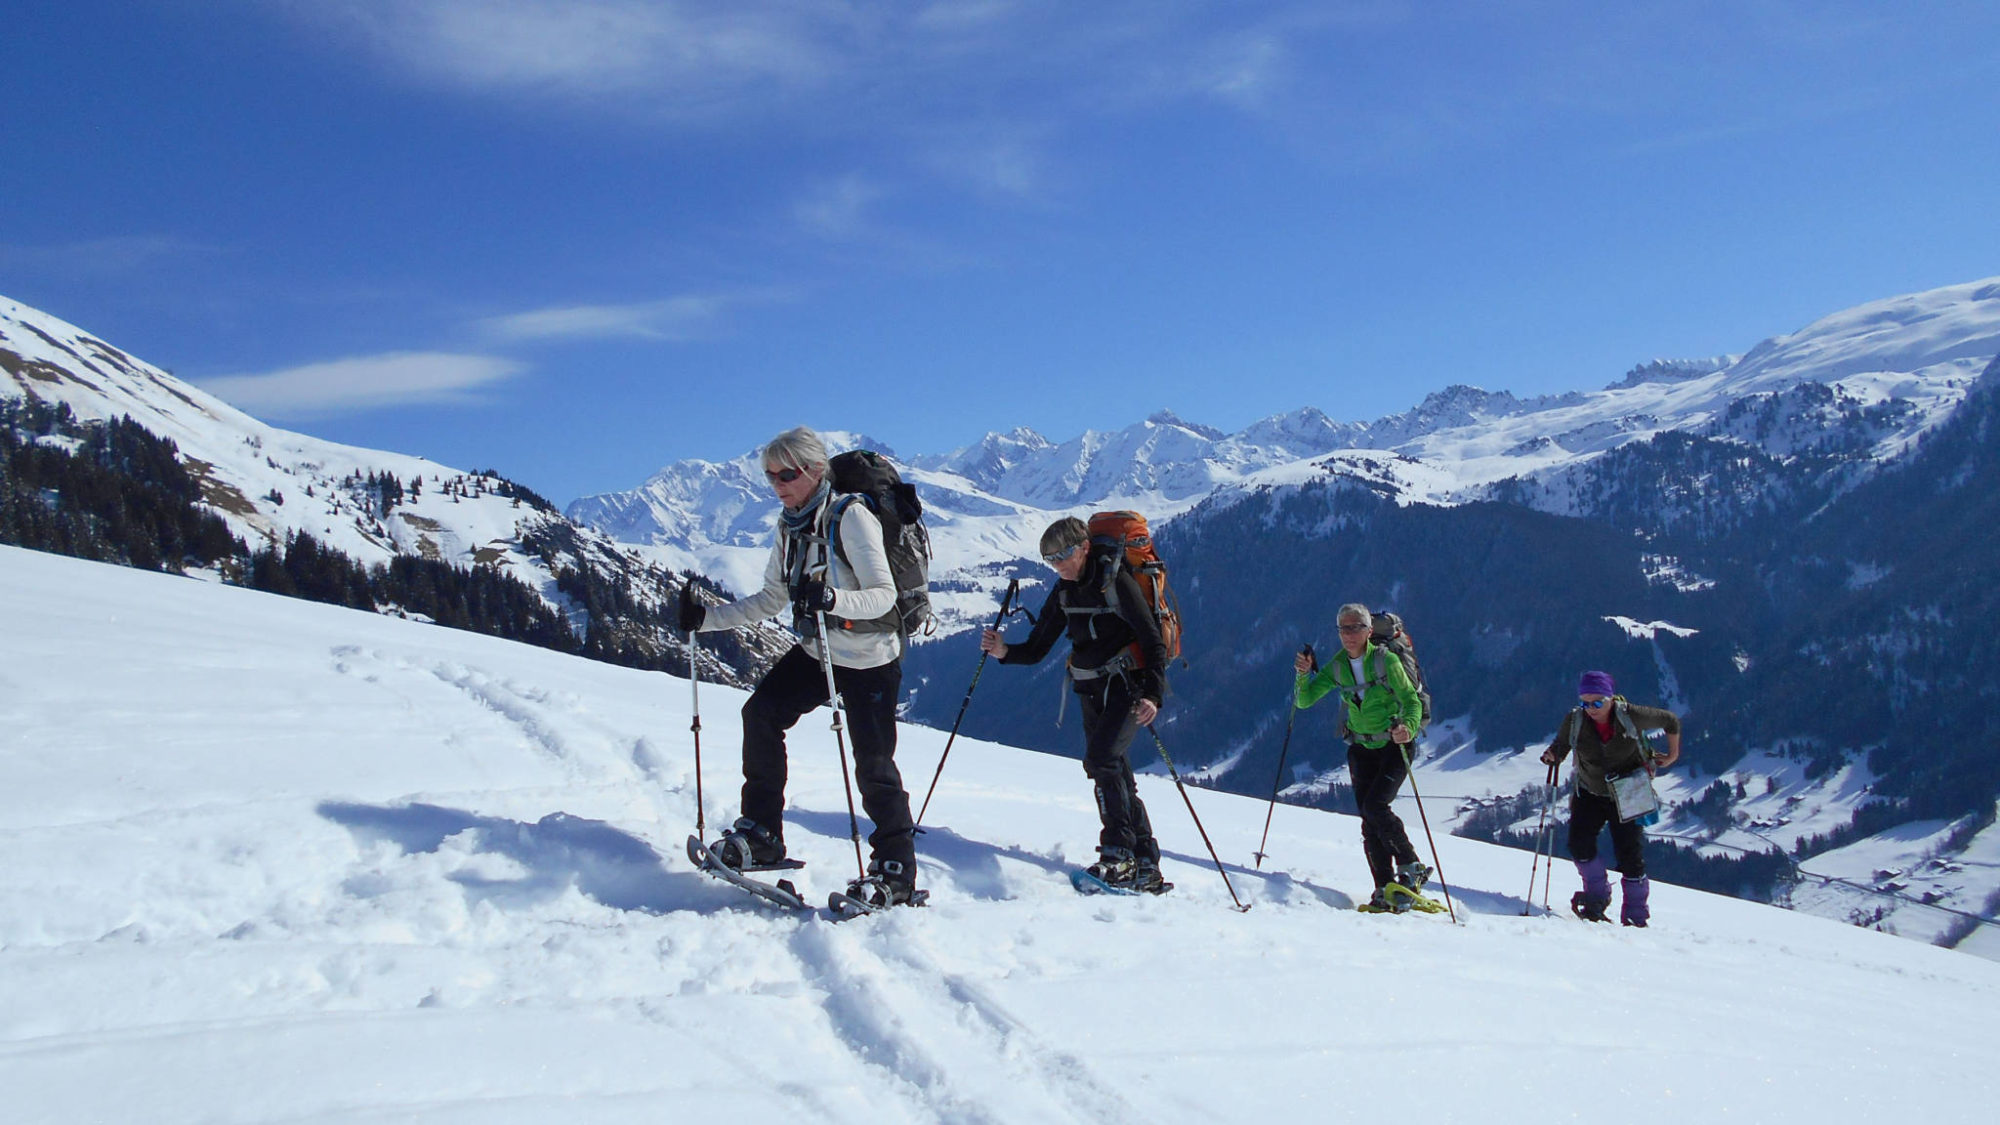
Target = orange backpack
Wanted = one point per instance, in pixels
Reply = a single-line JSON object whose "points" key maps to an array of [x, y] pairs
{"points": [[1125, 539]]}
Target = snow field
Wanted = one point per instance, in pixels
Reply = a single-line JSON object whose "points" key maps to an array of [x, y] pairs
{"points": [[272, 861]]}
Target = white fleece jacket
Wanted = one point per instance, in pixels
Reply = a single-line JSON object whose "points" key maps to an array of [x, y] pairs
{"points": [[863, 587]]}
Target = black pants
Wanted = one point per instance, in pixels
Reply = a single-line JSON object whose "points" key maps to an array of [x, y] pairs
{"points": [[1377, 774], [1108, 730], [1588, 815], [795, 685]]}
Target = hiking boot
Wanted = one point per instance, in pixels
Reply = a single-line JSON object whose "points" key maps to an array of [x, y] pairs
{"points": [[1146, 877], [1589, 907], [888, 883], [1413, 875], [748, 846], [1115, 867], [1379, 903]]}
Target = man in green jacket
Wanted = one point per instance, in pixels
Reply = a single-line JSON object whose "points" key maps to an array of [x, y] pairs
{"points": [[1383, 714]]}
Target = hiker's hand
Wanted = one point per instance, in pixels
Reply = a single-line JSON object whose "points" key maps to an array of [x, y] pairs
{"points": [[1146, 712], [692, 614], [1549, 757], [1400, 733], [990, 642], [814, 597], [1304, 663]]}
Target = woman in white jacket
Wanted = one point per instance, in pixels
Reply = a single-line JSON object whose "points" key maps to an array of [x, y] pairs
{"points": [[828, 560]]}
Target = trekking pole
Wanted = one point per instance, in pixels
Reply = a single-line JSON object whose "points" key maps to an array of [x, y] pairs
{"points": [[1013, 587], [1404, 749], [840, 741], [694, 689], [1292, 703], [1197, 819], [1548, 798], [1548, 869]]}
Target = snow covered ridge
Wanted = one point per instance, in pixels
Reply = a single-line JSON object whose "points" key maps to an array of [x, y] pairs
{"points": [[1878, 375], [273, 861], [269, 483]]}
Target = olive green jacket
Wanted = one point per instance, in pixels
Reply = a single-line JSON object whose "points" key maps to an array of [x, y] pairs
{"points": [[1627, 749]]}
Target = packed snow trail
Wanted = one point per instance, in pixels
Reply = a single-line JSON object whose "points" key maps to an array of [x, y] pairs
{"points": [[272, 861]]}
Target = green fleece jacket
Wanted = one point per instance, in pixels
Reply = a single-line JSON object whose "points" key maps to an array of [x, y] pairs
{"points": [[1386, 694]]}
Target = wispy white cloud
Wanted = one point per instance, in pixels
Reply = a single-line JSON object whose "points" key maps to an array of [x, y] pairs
{"points": [[360, 383], [98, 257], [672, 319], [688, 58], [839, 208]]}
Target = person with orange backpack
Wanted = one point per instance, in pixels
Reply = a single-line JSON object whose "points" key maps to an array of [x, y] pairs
{"points": [[1111, 603]]}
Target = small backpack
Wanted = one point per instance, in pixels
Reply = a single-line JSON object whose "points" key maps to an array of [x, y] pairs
{"points": [[1127, 544], [871, 478], [1389, 633]]}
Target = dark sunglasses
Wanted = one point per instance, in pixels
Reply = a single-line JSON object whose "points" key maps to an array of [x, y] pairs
{"points": [[784, 476], [1061, 555], [1594, 704], [1355, 628]]}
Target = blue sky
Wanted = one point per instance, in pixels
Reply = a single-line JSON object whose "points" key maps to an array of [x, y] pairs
{"points": [[575, 240]]}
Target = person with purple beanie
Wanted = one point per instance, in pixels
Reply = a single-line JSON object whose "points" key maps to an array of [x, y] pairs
{"points": [[1605, 733]]}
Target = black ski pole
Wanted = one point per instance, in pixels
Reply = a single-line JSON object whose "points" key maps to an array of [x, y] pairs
{"points": [[1292, 704], [1548, 798], [840, 741], [1404, 749], [1013, 587], [1197, 819], [694, 688]]}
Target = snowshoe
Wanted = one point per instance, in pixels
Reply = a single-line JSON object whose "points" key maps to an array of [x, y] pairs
{"points": [[1588, 907], [1403, 899], [885, 885], [749, 846], [1115, 868], [782, 892]]}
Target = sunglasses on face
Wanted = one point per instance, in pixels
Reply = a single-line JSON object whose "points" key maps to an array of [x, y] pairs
{"points": [[1060, 556], [1594, 704], [1354, 627], [783, 476]]}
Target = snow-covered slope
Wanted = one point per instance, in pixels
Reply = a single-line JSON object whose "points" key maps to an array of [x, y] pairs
{"points": [[269, 860]]}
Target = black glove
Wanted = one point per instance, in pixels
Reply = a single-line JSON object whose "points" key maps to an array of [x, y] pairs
{"points": [[691, 612], [813, 597]]}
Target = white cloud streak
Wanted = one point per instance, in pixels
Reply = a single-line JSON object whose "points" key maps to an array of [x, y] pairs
{"points": [[362, 383], [671, 320]]}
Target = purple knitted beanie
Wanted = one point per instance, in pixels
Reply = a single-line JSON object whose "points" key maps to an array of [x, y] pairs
{"points": [[1596, 683]]}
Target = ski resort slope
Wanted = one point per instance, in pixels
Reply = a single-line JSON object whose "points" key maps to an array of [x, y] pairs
{"points": [[267, 861]]}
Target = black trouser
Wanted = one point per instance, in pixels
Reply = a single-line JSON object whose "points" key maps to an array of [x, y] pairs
{"points": [[1588, 814], [1108, 730], [1376, 774], [795, 685]]}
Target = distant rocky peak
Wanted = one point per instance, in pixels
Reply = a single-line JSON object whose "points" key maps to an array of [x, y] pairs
{"points": [[1672, 371], [1165, 417]]}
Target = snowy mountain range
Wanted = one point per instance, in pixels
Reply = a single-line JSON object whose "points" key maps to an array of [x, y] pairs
{"points": [[275, 861], [1883, 374]]}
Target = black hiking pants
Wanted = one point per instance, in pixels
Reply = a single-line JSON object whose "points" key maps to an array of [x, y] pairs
{"points": [[1589, 814], [1108, 730], [1377, 774], [795, 685]]}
